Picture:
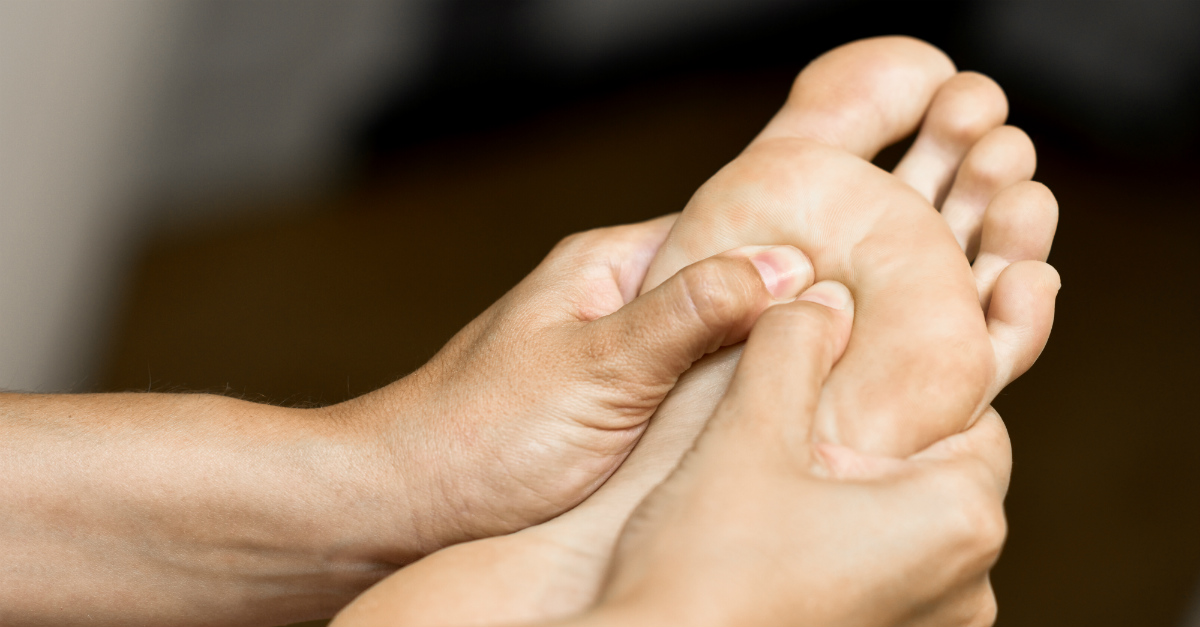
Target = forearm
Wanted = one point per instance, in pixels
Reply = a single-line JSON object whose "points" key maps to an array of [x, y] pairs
{"points": [[177, 509]]}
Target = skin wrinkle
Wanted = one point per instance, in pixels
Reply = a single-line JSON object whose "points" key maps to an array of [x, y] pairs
{"points": [[862, 194], [169, 543], [967, 107], [527, 386], [862, 197], [899, 78], [527, 430], [874, 220], [760, 205]]}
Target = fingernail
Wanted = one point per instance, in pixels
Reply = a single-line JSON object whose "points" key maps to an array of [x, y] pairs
{"points": [[829, 293], [784, 269]]}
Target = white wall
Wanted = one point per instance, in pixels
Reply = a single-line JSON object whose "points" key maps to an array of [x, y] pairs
{"points": [[74, 86], [110, 107]]}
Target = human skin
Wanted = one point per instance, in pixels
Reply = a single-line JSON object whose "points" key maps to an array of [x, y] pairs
{"points": [[939, 324], [763, 525], [921, 363], [760, 525], [182, 509]]}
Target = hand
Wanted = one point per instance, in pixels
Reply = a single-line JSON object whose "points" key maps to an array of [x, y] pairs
{"points": [[535, 403], [961, 162], [761, 526], [124, 509]]}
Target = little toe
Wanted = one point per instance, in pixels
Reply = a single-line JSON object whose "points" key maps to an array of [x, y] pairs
{"points": [[1001, 158], [965, 108], [863, 96], [1019, 225]]}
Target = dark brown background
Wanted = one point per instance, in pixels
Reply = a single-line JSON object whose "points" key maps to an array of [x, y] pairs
{"points": [[349, 292]]}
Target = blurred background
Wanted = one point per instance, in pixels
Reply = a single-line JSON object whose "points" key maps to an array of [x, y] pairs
{"points": [[299, 201]]}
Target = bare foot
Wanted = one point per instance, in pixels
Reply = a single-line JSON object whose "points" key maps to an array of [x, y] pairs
{"points": [[921, 362], [806, 181]]}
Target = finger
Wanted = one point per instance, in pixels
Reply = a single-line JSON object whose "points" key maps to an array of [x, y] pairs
{"points": [[786, 360], [971, 603], [1003, 157], [841, 462], [1019, 225], [1019, 318], [625, 250], [985, 607], [988, 442], [984, 446], [705, 306], [633, 248], [964, 109], [862, 96], [961, 480]]}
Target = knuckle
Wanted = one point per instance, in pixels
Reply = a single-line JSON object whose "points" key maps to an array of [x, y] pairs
{"points": [[993, 529], [606, 360], [566, 245], [977, 520], [710, 293], [578, 243], [986, 610], [807, 322], [625, 381], [806, 315]]}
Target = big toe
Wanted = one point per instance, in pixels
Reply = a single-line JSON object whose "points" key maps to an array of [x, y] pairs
{"points": [[863, 96]]}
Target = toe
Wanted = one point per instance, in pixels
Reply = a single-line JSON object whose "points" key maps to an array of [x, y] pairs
{"points": [[863, 96], [965, 109], [1019, 318], [1018, 225], [1001, 158]]}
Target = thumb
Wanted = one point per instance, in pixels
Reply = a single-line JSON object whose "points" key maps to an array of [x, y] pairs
{"points": [[789, 355], [707, 305]]}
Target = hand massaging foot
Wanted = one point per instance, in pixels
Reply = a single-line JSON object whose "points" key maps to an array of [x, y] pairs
{"points": [[924, 358]]}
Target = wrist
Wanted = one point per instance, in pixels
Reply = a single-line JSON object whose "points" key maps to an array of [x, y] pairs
{"points": [[387, 471]]}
